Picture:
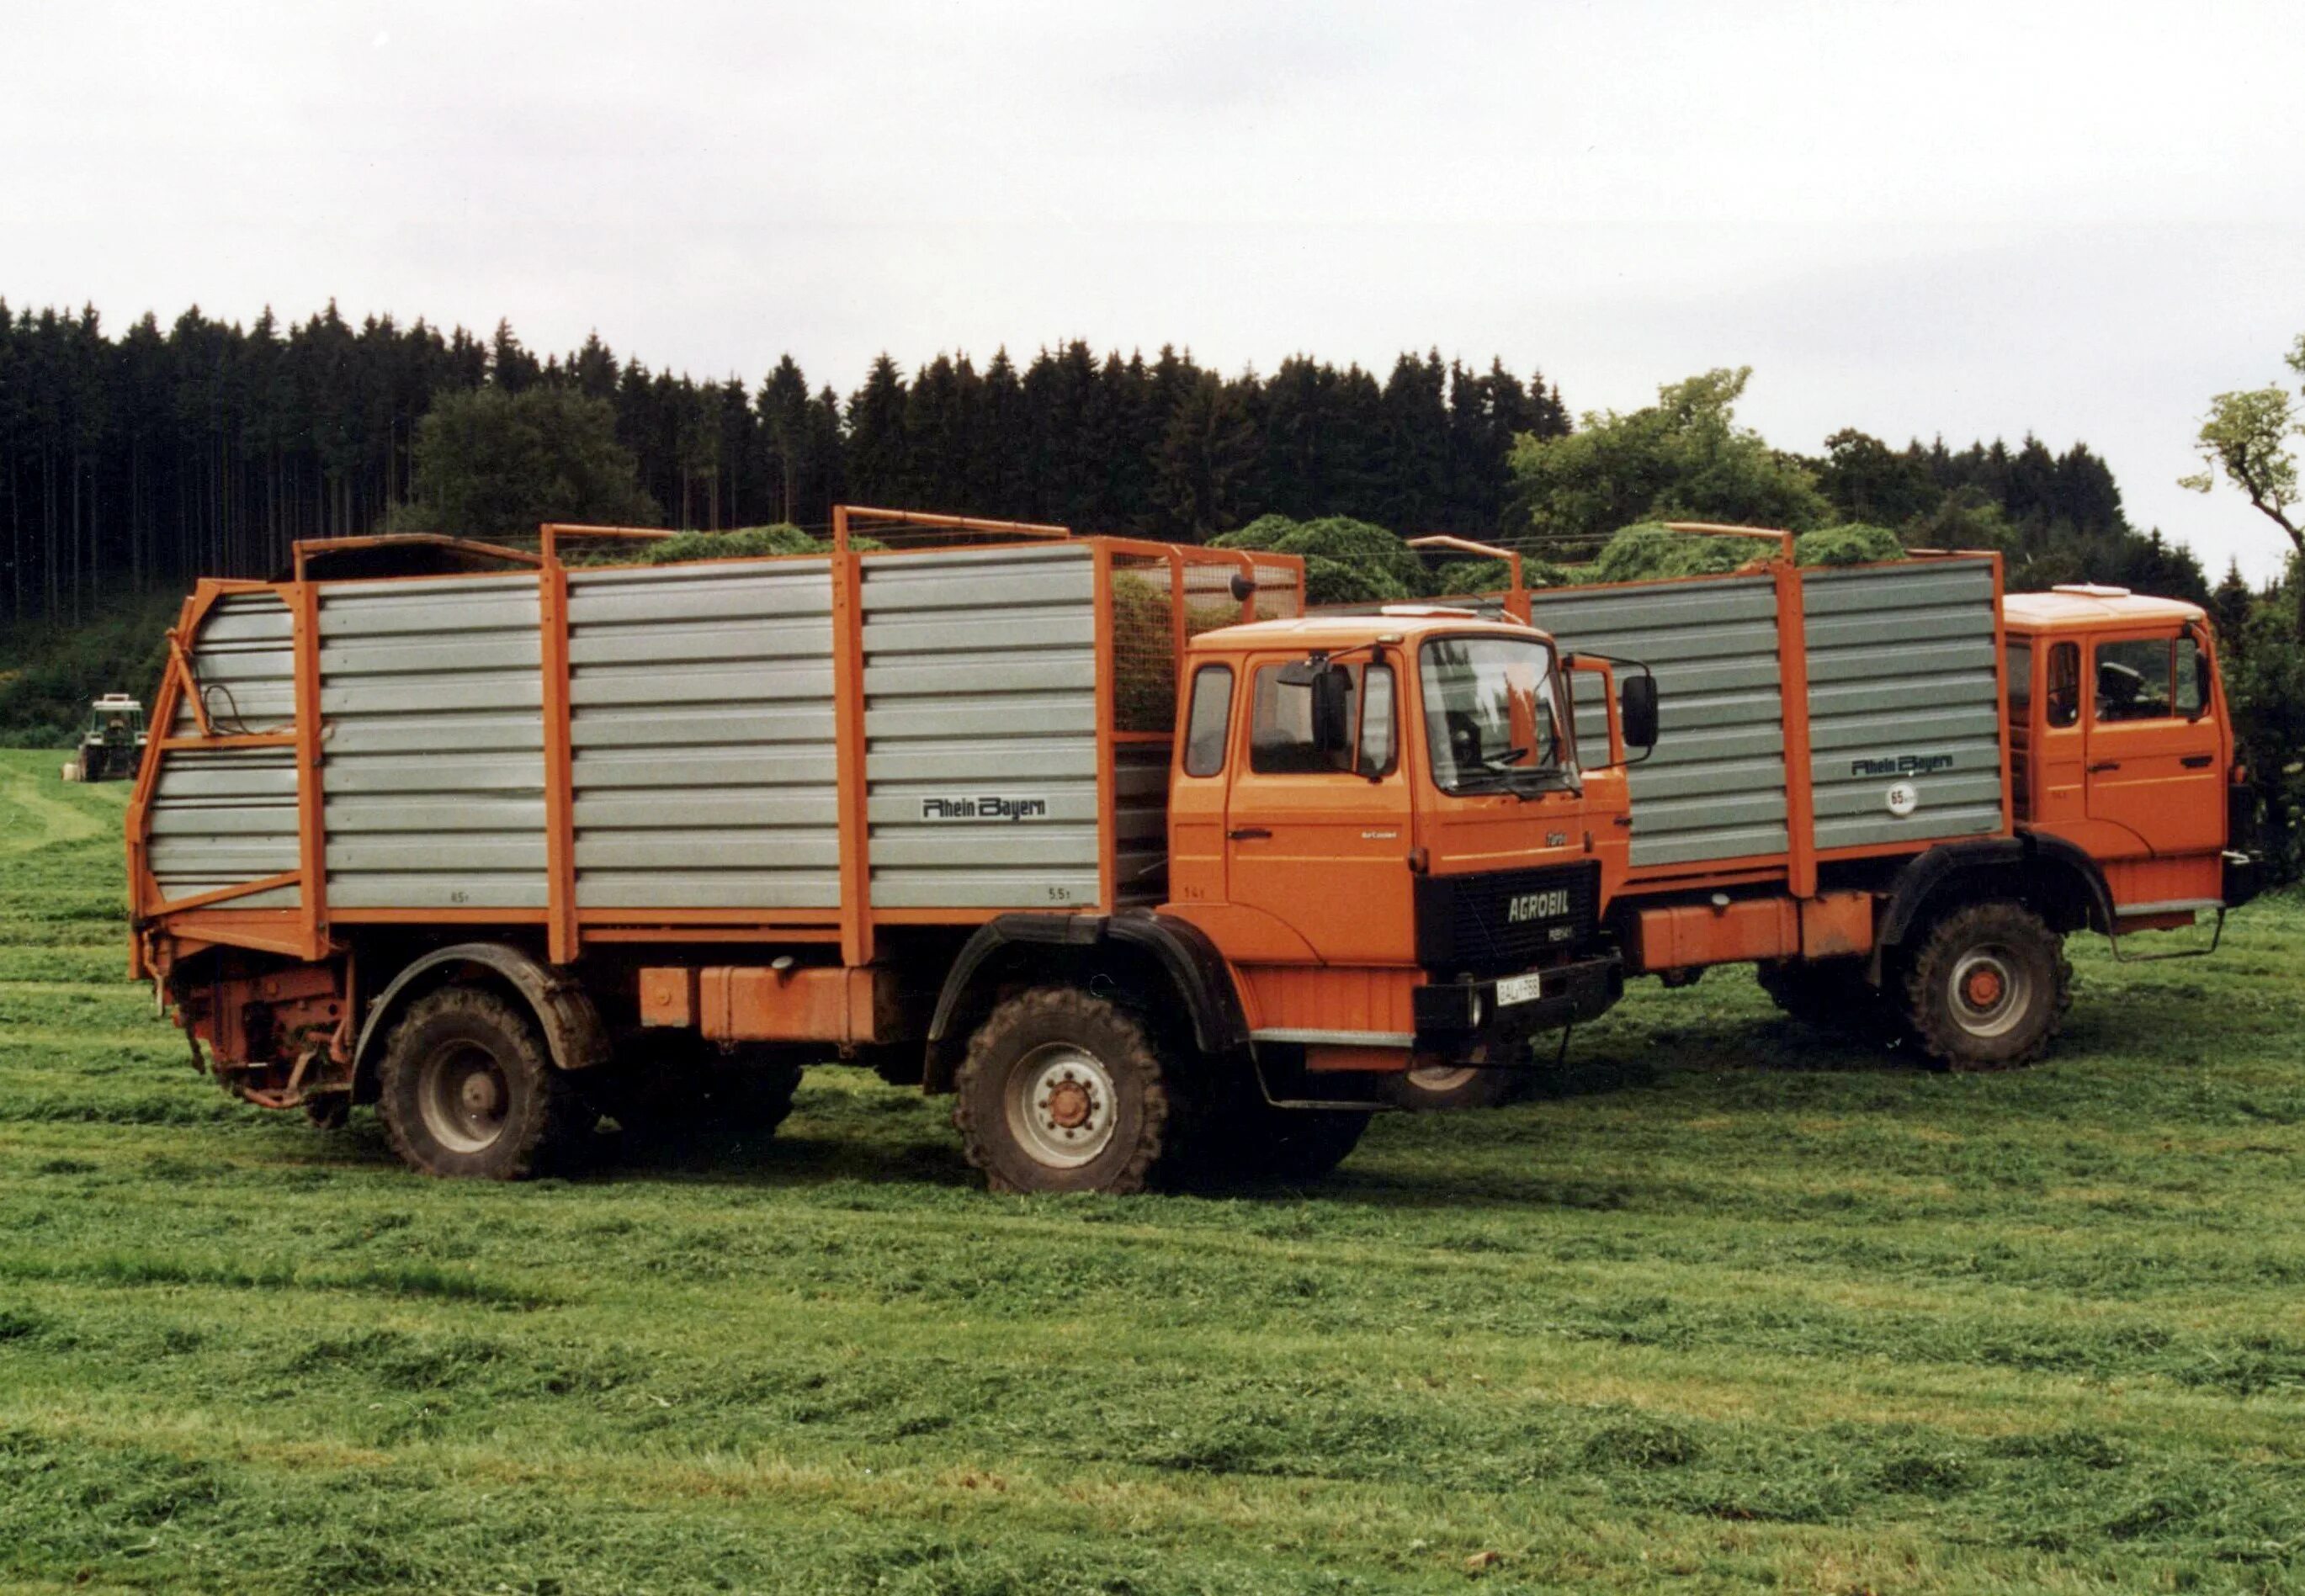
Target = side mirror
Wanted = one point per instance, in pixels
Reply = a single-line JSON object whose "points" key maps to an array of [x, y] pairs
{"points": [[1333, 726], [1636, 711]]}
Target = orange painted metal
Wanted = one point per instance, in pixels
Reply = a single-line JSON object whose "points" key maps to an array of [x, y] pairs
{"points": [[1836, 925], [311, 837], [549, 535], [564, 934], [239, 890], [305, 548], [1714, 528], [845, 515], [667, 995], [1107, 847], [818, 1003], [1369, 999], [1516, 594], [848, 737], [1792, 664], [1681, 935], [1324, 1060]]}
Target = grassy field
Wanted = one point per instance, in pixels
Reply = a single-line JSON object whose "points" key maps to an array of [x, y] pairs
{"points": [[1729, 1307]]}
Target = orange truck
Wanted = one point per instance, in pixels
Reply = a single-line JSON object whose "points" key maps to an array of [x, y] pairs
{"points": [[1150, 870]]}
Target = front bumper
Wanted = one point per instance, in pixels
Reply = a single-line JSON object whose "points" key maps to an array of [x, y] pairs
{"points": [[1462, 1022]]}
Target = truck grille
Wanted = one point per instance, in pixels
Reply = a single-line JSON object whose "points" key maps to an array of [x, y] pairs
{"points": [[1504, 920]]}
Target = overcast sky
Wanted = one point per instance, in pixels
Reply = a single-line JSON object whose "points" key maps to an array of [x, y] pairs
{"points": [[1974, 220]]}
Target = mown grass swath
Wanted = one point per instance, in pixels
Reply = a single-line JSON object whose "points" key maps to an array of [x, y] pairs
{"points": [[1725, 1304]]}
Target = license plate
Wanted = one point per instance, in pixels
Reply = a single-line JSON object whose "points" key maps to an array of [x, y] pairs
{"points": [[1519, 988]]}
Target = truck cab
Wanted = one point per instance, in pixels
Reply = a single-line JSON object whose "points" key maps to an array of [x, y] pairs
{"points": [[2122, 744], [1387, 826]]}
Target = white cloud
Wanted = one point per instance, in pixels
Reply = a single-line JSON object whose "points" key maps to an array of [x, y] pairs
{"points": [[1969, 218]]}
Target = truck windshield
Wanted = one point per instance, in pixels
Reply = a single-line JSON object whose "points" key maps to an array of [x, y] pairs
{"points": [[1491, 721]]}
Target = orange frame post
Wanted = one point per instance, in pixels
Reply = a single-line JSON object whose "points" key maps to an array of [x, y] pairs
{"points": [[1792, 662], [849, 733], [564, 937], [311, 830]]}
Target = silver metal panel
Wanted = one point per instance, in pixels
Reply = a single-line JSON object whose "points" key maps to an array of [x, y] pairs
{"points": [[979, 723], [701, 723], [1140, 779], [1903, 690], [225, 817], [1714, 788], [246, 664], [431, 701]]}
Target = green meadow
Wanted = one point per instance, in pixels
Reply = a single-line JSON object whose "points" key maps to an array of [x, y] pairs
{"points": [[1725, 1306]]}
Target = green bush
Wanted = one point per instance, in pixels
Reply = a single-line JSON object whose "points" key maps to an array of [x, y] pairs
{"points": [[1345, 561], [743, 542], [1647, 551], [1851, 543]]}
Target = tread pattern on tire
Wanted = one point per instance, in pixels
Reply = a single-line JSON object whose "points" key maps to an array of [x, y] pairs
{"points": [[550, 1118], [1940, 1036], [1122, 1043]]}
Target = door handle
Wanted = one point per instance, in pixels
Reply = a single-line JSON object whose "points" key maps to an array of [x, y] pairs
{"points": [[1242, 833], [2104, 765], [2197, 761]]}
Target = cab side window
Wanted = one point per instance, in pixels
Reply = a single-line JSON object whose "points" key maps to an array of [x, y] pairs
{"points": [[1281, 728], [2193, 677], [1205, 727], [1377, 744], [2133, 679], [2064, 695]]}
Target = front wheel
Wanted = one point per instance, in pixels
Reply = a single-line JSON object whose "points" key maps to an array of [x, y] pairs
{"points": [[1062, 1092], [1988, 987], [466, 1088]]}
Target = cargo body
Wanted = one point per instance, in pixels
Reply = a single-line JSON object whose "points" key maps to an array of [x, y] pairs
{"points": [[1896, 789], [430, 812]]}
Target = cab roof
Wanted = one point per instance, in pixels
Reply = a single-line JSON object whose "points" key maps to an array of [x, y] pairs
{"points": [[1334, 632], [2082, 605]]}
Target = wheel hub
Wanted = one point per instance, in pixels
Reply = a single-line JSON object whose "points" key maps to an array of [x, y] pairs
{"points": [[1991, 991], [464, 1098], [1062, 1105]]}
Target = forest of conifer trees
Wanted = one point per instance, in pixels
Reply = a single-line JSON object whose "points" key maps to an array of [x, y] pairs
{"points": [[205, 447]]}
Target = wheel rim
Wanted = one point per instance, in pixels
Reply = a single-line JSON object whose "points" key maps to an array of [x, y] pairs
{"points": [[1062, 1105], [1991, 991], [1440, 1077], [464, 1098]]}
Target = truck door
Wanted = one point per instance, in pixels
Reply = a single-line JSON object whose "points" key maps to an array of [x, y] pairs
{"points": [[2155, 747], [1319, 838]]}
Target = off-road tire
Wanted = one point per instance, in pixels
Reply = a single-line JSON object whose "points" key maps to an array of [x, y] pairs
{"points": [[542, 1119], [1037, 1025], [2018, 953], [1834, 997]]}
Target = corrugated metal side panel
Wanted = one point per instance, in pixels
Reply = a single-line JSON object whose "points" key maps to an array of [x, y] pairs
{"points": [[980, 724], [701, 718], [1714, 788], [219, 819], [1140, 817], [431, 700], [1903, 686]]}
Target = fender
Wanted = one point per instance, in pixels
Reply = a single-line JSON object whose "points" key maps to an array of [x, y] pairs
{"points": [[573, 1029], [1923, 874], [1184, 952]]}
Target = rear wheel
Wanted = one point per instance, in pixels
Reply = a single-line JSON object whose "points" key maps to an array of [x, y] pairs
{"points": [[1062, 1092], [1302, 1144], [466, 1089], [1989, 987]]}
